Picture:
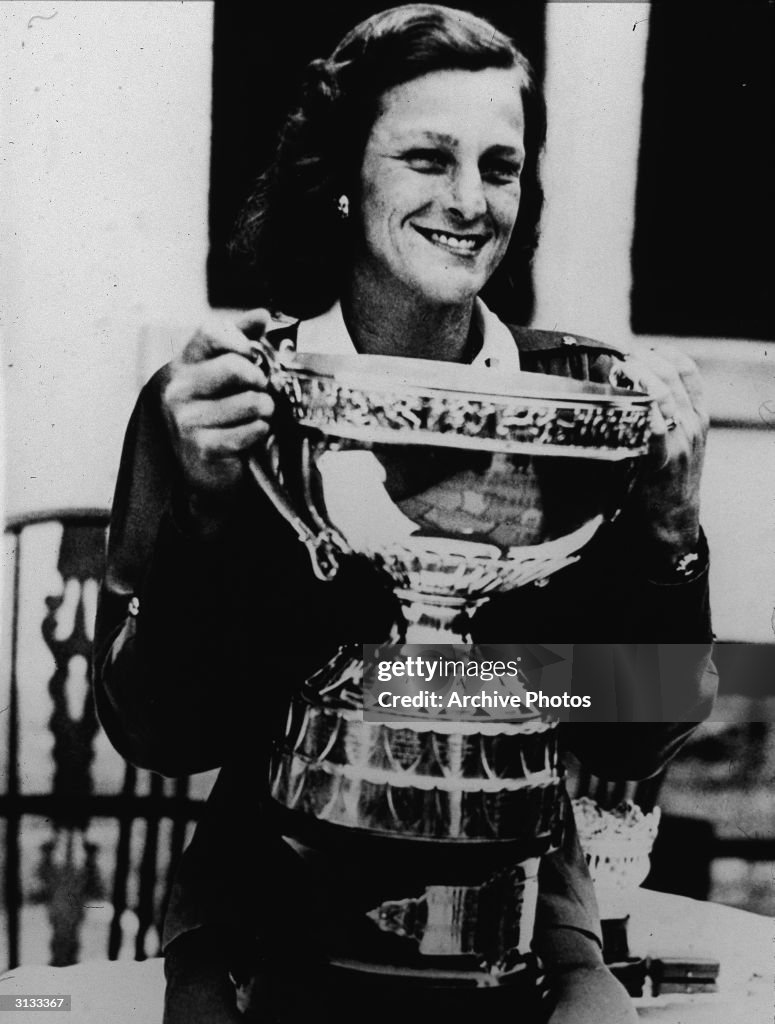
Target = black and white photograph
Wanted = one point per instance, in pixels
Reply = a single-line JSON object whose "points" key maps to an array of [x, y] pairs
{"points": [[339, 344]]}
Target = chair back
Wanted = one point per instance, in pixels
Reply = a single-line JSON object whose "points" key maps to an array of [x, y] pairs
{"points": [[87, 841]]}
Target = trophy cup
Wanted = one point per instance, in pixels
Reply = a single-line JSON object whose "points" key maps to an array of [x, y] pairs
{"points": [[617, 843], [457, 483]]}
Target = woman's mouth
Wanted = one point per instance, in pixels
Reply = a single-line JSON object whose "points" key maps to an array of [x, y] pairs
{"points": [[461, 245]]}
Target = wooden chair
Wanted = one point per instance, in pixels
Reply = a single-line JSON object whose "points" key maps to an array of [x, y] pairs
{"points": [[88, 840]]}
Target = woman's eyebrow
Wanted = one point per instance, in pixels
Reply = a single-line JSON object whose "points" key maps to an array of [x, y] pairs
{"points": [[415, 137], [515, 152], [435, 138]]}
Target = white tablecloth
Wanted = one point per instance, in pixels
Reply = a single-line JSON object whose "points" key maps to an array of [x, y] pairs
{"points": [[744, 945], [661, 925], [103, 992]]}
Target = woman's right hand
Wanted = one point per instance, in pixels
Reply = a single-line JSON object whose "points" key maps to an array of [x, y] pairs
{"points": [[217, 408]]}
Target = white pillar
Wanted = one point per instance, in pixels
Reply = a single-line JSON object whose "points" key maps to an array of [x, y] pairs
{"points": [[596, 54]]}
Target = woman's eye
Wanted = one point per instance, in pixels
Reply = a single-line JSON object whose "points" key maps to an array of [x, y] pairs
{"points": [[428, 161], [502, 172]]}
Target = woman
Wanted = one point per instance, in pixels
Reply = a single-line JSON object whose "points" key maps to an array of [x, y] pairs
{"points": [[404, 181]]}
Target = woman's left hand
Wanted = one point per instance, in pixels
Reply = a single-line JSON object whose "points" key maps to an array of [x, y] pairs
{"points": [[668, 492]]}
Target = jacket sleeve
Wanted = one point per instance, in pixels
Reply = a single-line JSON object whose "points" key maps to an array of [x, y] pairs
{"points": [[660, 687], [177, 668], [150, 694], [567, 927], [664, 691]]}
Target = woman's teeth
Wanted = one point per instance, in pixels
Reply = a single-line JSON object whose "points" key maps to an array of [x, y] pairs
{"points": [[451, 242]]}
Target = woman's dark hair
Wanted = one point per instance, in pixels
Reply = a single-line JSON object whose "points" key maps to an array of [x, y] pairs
{"points": [[291, 226]]}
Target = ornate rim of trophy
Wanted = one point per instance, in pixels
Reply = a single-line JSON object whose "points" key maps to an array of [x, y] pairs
{"points": [[388, 399]]}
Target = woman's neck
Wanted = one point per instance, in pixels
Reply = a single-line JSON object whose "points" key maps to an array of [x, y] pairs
{"points": [[380, 323]]}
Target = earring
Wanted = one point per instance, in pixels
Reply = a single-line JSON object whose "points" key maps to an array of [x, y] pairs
{"points": [[343, 206]]}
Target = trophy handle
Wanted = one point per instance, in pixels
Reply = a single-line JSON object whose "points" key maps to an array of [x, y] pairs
{"points": [[619, 376], [321, 545], [265, 357]]}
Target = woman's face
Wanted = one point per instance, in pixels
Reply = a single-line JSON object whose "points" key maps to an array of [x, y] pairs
{"points": [[440, 183]]}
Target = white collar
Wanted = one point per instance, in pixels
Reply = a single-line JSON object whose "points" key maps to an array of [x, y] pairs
{"points": [[328, 333]]}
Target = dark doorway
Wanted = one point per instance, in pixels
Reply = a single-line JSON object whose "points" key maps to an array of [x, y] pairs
{"points": [[705, 223]]}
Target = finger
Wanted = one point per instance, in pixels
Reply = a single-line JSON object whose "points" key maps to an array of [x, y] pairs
{"points": [[225, 374], [667, 370], [664, 410], [663, 442], [689, 374], [684, 364], [217, 443], [214, 338], [691, 419], [665, 404], [670, 431], [696, 391], [254, 323], [232, 410], [692, 380]]}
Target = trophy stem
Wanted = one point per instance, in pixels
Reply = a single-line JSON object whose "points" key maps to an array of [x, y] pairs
{"points": [[428, 622], [446, 623]]}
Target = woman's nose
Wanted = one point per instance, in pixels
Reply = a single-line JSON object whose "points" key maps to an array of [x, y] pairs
{"points": [[467, 199]]}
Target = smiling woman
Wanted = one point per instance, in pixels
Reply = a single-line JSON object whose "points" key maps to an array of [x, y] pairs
{"points": [[403, 181]]}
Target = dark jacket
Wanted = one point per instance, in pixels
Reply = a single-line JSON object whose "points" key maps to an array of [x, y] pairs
{"points": [[196, 672]]}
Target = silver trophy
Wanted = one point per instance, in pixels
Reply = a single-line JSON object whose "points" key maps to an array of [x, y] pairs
{"points": [[458, 484]]}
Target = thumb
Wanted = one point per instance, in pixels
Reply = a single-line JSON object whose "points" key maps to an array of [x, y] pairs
{"points": [[659, 454], [254, 323]]}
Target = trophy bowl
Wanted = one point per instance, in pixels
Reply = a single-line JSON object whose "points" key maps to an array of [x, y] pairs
{"points": [[457, 483]]}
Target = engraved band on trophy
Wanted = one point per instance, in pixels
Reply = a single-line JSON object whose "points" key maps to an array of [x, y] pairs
{"points": [[457, 490]]}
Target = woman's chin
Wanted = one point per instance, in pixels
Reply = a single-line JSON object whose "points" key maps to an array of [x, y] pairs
{"points": [[451, 288]]}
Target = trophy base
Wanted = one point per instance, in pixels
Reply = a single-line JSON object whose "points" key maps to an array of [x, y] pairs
{"points": [[467, 976], [347, 993]]}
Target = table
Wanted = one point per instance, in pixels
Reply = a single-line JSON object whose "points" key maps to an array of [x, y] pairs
{"points": [[661, 925], [743, 943]]}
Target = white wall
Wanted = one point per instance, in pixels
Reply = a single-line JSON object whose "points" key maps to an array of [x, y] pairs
{"points": [[595, 60], [106, 112]]}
